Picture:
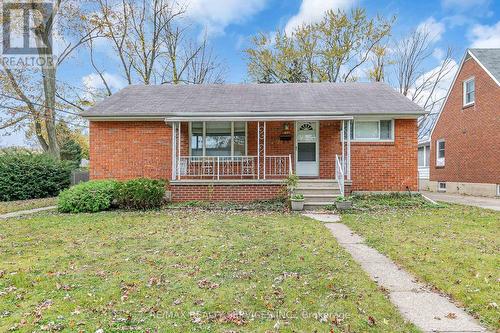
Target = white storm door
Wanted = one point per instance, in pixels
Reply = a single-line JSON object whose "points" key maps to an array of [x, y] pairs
{"points": [[306, 148]]}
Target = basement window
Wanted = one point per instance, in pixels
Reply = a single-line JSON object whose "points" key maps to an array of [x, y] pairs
{"points": [[498, 190], [441, 187]]}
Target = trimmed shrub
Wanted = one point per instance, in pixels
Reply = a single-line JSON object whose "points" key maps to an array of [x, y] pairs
{"points": [[141, 194], [29, 175], [90, 197]]}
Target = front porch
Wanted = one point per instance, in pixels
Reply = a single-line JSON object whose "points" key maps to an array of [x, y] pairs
{"points": [[257, 153]]}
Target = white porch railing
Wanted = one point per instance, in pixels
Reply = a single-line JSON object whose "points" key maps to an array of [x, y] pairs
{"points": [[244, 167], [339, 174]]}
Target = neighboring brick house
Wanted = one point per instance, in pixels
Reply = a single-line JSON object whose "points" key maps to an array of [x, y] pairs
{"points": [[464, 146], [239, 142]]}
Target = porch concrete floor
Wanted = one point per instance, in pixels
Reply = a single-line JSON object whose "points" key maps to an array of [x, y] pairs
{"points": [[428, 310]]}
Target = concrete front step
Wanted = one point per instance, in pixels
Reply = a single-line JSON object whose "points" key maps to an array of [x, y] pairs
{"points": [[318, 185], [318, 201], [317, 205], [318, 191], [321, 197]]}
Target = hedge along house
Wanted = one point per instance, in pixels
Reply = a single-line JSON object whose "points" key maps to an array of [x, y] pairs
{"points": [[238, 142]]}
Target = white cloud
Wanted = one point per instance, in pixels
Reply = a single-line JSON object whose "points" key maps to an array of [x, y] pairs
{"points": [[216, 15], [438, 53], [485, 36], [313, 10], [434, 28], [93, 81]]}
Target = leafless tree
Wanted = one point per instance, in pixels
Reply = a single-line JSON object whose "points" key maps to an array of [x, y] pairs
{"points": [[31, 91], [150, 39], [410, 57]]}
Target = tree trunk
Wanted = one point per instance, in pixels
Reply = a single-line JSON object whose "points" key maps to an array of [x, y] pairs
{"points": [[49, 86]]}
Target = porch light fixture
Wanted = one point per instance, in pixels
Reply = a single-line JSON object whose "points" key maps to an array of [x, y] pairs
{"points": [[286, 135]]}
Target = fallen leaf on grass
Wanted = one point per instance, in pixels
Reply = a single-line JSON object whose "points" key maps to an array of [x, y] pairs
{"points": [[371, 321], [205, 284]]}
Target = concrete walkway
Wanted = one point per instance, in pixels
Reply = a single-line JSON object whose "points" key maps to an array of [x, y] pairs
{"points": [[428, 310], [26, 212], [482, 202]]}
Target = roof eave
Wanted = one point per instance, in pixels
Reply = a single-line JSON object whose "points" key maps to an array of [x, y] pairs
{"points": [[252, 116]]}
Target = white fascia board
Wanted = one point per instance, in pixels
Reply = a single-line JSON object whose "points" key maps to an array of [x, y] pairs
{"points": [[111, 118]]}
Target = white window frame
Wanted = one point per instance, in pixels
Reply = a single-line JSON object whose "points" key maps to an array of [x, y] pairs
{"points": [[465, 92], [426, 151], [498, 190], [353, 130], [440, 161], [441, 189], [205, 136]]}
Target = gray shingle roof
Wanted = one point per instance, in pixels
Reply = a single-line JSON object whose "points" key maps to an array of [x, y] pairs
{"points": [[489, 58], [255, 99]]}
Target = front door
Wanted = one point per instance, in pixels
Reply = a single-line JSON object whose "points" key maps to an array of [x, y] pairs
{"points": [[306, 148]]}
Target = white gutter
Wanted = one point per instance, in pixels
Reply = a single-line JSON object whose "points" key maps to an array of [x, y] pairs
{"points": [[252, 117]]}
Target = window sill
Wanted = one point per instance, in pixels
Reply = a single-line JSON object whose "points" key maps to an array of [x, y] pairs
{"points": [[372, 143], [468, 106]]}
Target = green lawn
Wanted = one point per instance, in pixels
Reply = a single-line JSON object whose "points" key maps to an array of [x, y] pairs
{"points": [[454, 248], [184, 271], [15, 206]]}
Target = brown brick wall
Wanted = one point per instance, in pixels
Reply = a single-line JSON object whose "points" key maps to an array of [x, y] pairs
{"points": [[127, 150], [472, 134], [232, 193], [387, 166]]}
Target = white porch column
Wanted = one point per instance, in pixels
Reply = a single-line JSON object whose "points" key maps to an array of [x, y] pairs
{"points": [[264, 148], [343, 146], [179, 151], [174, 151], [258, 150], [349, 149]]}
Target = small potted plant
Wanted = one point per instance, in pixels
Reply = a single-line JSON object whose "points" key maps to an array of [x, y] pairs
{"points": [[297, 200], [342, 203]]}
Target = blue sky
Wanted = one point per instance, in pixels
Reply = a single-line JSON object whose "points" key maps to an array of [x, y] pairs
{"points": [[230, 23]]}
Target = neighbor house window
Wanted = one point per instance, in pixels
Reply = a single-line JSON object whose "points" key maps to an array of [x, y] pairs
{"points": [[218, 138], [441, 186], [372, 130], [440, 150], [423, 156], [469, 92]]}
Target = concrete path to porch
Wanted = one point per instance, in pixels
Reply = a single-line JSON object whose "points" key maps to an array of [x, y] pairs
{"points": [[482, 202], [428, 310], [26, 212]]}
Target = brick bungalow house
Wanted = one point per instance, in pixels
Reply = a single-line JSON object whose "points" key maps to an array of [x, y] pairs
{"points": [[462, 153], [238, 142]]}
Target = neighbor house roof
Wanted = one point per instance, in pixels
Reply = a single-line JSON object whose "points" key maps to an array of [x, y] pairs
{"points": [[489, 59], [254, 101]]}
